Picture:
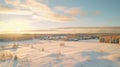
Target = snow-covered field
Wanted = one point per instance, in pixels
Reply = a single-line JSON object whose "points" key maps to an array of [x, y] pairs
{"points": [[71, 54]]}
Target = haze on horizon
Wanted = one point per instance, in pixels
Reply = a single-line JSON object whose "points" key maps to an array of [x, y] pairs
{"points": [[19, 15]]}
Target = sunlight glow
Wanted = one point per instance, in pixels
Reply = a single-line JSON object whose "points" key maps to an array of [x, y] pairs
{"points": [[15, 26]]}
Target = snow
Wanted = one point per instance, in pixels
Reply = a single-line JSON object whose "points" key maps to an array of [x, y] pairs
{"points": [[91, 40], [89, 53]]}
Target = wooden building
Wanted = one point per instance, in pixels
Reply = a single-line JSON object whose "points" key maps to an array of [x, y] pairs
{"points": [[115, 39]]}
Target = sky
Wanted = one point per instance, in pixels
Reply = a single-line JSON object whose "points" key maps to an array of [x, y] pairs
{"points": [[17, 15]]}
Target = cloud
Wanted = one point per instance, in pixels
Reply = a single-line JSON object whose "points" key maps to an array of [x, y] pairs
{"points": [[97, 12], [13, 2], [13, 11], [60, 8], [70, 11], [75, 11], [4, 9], [10, 11], [54, 18], [59, 18], [34, 7]]}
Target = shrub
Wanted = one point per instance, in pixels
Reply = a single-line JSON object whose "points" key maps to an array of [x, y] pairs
{"points": [[5, 55], [62, 44], [15, 46], [42, 49]]}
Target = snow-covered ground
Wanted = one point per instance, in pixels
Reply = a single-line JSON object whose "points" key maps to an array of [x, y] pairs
{"points": [[71, 54]]}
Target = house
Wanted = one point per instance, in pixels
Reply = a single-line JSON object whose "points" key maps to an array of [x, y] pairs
{"points": [[110, 39]]}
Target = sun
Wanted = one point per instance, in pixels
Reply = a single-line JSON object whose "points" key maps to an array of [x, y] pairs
{"points": [[18, 29], [15, 26]]}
